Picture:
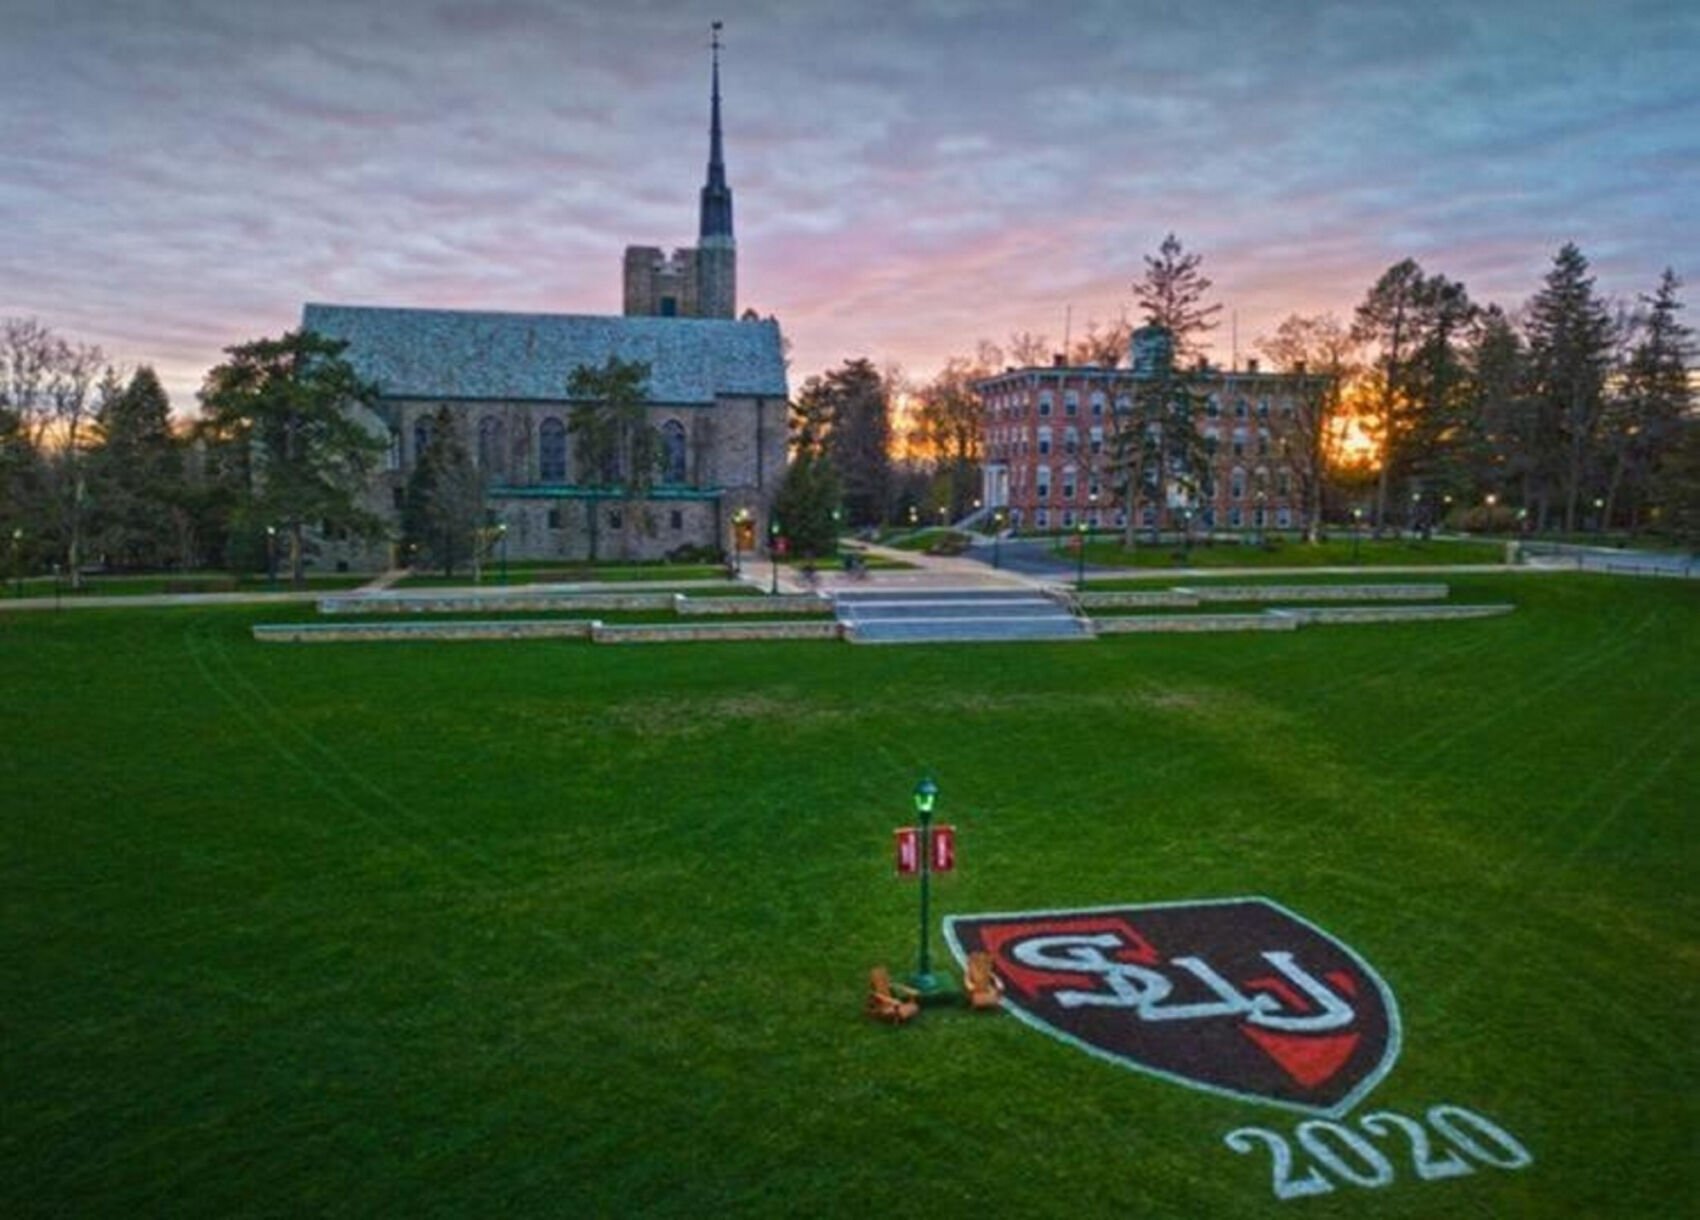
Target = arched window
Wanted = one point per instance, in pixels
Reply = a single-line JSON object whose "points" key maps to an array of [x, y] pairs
{"points": [[490, 437], [672, 452], [552, 451]]}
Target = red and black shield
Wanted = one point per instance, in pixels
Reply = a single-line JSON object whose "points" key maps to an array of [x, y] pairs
{"points": [[1237, 995]]}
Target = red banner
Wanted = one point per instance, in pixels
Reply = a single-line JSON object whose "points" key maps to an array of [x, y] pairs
{"points": [[941, 852], [908, 850]]}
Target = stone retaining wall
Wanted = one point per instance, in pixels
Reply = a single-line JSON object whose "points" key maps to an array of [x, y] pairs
{"points": [[1388, 614], [1115, 599], [582, 629], [1318, 593], [341, 633], [1191, 595], [670, 633], [784, 603], [1129, 624], [479, 603], [1288, 618]]}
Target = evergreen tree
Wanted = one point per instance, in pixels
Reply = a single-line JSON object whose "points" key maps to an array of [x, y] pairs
{"points": [[849, 410], [1156, 450], [136, 477], [1676, 486], [1500, 442], [443, 505], [1570, 337], [1653, 399], [805, 504], [615, 446], [1437, 448], [1415, 325], [281, 413]]}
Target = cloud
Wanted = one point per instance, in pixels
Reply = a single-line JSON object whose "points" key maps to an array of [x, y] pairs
{"points": [[179, 176]]}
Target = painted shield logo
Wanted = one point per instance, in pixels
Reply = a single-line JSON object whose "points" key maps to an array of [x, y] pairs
{"points": [[1237, 996]]}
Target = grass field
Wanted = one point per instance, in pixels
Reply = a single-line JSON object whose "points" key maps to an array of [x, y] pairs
{"points": [[552, 929]]}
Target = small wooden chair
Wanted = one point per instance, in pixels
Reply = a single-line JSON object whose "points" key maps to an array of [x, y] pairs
{"points": [[888, 1001], [983, 987]]}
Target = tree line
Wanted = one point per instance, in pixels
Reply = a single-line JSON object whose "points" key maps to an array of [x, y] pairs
{"points": [[1570, 414], [95, 475]]}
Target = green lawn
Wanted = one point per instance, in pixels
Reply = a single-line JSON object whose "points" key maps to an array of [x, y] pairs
{"points": [[553, 929]]}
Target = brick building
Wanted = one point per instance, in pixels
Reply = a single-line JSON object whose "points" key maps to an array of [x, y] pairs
{"points": [[1048, 436], [717, 400]]}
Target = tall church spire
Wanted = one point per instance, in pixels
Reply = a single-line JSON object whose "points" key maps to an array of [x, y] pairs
{"points": [[716, 195]]}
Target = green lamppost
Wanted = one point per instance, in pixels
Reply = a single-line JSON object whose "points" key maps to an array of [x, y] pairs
{"points": [[926, 798]]}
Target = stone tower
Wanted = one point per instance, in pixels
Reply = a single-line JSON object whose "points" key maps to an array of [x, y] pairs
{"points": [[700, 282]]}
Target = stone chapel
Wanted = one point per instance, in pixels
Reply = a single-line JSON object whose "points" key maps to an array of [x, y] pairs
{"points": [[717, 400]]}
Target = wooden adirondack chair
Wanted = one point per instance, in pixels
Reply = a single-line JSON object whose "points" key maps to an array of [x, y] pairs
{"points": [[983, 987], [888, 1001]]}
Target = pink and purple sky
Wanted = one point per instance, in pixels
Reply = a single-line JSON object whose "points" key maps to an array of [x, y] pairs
{"points": [[177, 176]]}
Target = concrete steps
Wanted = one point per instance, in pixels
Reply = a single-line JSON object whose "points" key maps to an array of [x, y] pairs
{"points": [[954, 616]]}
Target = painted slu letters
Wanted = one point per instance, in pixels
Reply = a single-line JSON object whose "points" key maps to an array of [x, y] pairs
{"points": [[1236, 996]]}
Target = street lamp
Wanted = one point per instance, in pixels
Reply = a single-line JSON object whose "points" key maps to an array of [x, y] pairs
{"points": [[926, 797], [740, 522]]}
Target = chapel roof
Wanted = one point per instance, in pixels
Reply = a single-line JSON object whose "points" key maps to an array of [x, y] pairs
{"points": [[451, 353]]}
